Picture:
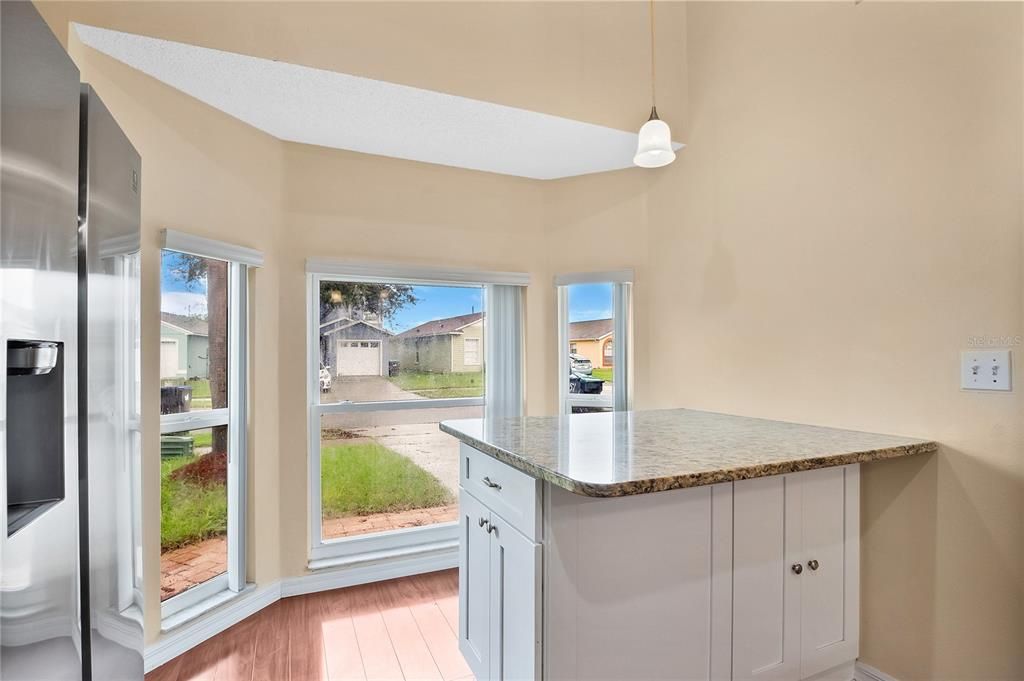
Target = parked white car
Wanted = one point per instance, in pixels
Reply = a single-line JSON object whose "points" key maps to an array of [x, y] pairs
{"points": [[325, 378], [580, 365]]}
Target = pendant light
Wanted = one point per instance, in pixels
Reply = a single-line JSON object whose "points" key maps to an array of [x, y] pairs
{"points": [[654, 146]]}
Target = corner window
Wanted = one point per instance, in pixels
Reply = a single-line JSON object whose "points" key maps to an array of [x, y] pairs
{"points": [[594, 327], [203, 386]]}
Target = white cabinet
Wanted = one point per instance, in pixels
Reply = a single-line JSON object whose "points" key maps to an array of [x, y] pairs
{"points": [[515, 606], [499, 587], [474, 585], [795, 573], [756, 579]]}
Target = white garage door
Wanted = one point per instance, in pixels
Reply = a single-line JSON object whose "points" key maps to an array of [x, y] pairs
{"points": [[358, 358], [168, 358]]}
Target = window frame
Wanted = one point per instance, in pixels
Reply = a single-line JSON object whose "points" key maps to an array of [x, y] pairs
{"points": [[391, 544], [234, 416], [622, 330], [128, 394]]}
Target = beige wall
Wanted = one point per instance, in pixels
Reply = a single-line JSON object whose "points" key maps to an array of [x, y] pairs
{"points": [[847, 214]]}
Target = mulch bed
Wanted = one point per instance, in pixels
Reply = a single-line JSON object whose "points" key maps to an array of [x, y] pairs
{"points": [[338, 434], [208, 470]]}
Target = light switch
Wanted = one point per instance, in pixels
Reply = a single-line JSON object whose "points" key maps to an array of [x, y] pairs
{"points": [[985, 370]]}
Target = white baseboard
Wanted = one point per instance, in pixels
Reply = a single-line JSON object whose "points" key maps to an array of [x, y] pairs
{"points": [[32, 630], [865, 672], [187, 636]]}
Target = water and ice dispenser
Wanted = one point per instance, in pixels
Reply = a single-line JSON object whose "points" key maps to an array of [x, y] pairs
{"points": [[35, 430]]}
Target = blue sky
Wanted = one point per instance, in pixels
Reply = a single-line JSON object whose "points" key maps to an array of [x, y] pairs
{"points": [[436, 302], [175, 296], [590, 301], [586, 301]]}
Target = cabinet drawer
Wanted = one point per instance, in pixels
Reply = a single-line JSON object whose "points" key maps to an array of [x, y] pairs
{"points": [[511, 494]]}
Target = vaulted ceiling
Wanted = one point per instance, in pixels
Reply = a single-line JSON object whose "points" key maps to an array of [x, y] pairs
{"points": [[587, 62]]}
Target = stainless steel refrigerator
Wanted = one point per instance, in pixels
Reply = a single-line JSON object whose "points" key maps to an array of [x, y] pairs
{"points": [[70, 597]]}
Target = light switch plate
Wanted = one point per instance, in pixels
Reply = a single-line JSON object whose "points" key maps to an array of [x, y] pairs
{"points": [[985, 370]]}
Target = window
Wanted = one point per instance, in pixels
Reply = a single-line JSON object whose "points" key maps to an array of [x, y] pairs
{"points": [[594, 328], [471, 352], [404, 351], [203, 344]]}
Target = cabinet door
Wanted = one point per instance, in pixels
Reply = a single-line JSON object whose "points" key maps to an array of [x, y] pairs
{"points": [[474, 584], [766, 591], [515, 600], [828, 612]]}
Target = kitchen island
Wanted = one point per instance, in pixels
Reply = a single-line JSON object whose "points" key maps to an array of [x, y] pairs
{"points": [[672, 544]]}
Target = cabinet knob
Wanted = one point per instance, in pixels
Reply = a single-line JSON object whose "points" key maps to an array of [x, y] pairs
{"points": [[484, 523], [813, 564], [490, 483], [492, 528], [797, 568]]}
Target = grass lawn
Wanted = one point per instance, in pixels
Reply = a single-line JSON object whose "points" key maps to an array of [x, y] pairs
{"points": [[467, 384], [200, 393], [603, 374], [189, 512], [202, 438], [364, 477]]}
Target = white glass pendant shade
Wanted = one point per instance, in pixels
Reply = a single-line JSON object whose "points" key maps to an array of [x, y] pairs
{"points": [[654, 146]]}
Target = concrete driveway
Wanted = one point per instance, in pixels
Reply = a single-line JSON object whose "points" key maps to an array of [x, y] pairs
{"points": [[365, 389]]}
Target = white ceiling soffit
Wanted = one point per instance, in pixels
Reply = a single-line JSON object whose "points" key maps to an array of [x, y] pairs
{"points": [[330, 109]]}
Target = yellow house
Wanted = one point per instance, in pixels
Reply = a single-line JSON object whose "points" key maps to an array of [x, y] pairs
{"points": [[450, 345], [592, 339]]}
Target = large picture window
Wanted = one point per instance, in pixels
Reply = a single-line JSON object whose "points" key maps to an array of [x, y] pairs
{"points": [[392, 354], [594, 322], [203, 381]]}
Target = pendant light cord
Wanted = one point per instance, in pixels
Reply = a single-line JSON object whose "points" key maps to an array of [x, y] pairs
{"points": [[654, 101]]}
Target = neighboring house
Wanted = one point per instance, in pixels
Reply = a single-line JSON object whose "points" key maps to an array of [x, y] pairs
{"points": [[184, 347], [592, 339], [354, 347], [450, 345]]}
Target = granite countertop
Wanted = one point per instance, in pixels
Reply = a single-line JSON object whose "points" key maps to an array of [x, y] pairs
{"points": [[617, 454]]}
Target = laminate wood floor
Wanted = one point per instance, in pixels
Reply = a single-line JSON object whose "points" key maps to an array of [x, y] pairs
{"points": [[402, 629]]}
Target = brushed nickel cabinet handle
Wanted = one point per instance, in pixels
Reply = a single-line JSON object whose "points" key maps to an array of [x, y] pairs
{"points": [[493, 485], [813, 564], [797, 568]]}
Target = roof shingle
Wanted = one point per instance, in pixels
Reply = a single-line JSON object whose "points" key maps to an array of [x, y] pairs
{"points": [[193, 325], [590, 329], [440, 327]]}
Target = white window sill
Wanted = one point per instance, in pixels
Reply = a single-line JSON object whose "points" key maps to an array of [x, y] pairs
{"points": [[386, 556], [193, 612]]}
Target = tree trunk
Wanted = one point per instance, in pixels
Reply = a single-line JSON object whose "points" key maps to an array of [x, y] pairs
{"points": [[217, 321]]}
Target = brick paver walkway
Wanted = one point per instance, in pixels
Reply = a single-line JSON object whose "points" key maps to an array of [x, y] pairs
{"points": [[348, 526], [184, 568], [181, 569]]}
